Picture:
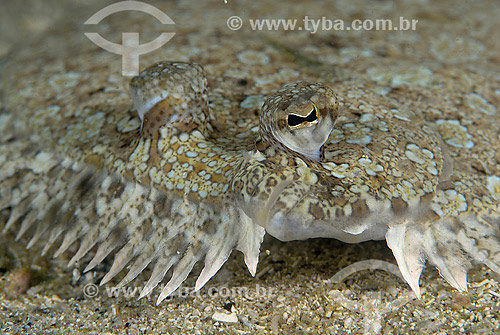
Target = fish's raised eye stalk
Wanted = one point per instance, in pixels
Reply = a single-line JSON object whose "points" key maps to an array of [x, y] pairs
{"points": [[300, 117]]}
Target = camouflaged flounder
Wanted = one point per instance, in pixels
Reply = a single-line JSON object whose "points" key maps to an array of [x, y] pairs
{"points": [[176, 180]]}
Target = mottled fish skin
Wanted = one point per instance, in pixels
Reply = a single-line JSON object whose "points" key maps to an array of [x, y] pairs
{"points": [[168, 190], [359, 184]]}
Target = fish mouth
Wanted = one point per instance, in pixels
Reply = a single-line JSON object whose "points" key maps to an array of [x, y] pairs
{"points": [[289, 228], [287, 217]]}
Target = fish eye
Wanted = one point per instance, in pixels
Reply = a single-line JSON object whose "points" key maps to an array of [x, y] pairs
{"points": [[297, 121]]}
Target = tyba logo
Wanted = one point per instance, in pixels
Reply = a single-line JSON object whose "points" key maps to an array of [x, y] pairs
{"points": [[130, 49], [370, 304]]}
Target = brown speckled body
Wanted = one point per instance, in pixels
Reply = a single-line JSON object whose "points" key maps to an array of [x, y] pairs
{"points": [[413, 157]]}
